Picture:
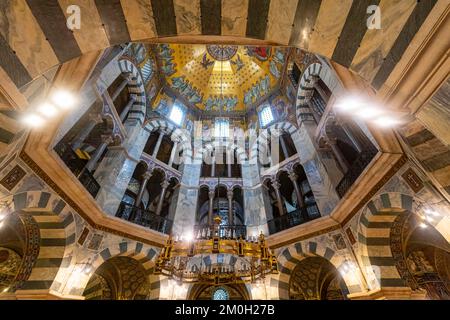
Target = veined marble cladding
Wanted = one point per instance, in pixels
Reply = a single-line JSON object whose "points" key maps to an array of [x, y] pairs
{"points": [[187, 199], [254, 208], [89, 94], [117, 167], [321, 186]]}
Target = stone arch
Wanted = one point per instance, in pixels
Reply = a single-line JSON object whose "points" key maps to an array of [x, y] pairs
{"points": [[136, 88], [260, 143], [182, 136], [292, 255], [55, 223], [309, 78], [142, 253], [209, 147], [374, 236]]}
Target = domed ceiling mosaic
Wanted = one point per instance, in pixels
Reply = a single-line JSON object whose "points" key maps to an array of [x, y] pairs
{"points": [[202, 74]]}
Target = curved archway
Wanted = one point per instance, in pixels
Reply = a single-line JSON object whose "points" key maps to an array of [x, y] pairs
{"points": [[118, 278], [374, 237], [315, 278], [53, 239]]}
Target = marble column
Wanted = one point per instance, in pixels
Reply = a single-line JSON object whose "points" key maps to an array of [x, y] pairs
{"points": [[145, 177], [173, 153], [119, 89], [127, 108], [94, 119], [339, 157], [230, 208], [164, 186], [298, 193], [158, 144], [283, 147], [213, 166], [300, 201], [106, 140], [211, 207], [276, 186]]}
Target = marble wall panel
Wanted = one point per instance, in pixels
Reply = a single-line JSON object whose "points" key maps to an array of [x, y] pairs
{"points": [[281, 18], [234, 17], [377, 43], [139, 15], [91, 34], [187, 14], [23, 34]]}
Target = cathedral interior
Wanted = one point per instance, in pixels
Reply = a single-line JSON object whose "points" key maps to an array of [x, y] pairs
{"points": [[224, 150]]}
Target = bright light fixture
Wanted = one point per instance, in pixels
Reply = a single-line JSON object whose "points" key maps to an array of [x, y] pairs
{"points": [[63, 99], [350, 103], [48, 110], [369, 112], [386, 121], [188, 236], [429, 219], [422, 225], [33, 120]]}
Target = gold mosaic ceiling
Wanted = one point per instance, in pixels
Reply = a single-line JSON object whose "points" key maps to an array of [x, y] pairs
{"points": [[202, 74]]}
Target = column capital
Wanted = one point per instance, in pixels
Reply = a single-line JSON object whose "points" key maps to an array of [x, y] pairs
{"points": [[230, 194], [96, 117], [107, 138], [165, 184], [293, 176], [211, 194], [275, 184], [147, 175]]}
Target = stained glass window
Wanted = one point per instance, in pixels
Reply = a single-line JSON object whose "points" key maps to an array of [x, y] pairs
{"points": [[220, 294]]}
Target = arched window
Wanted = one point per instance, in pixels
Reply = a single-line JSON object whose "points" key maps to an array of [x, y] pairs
{"points": [[176, 114], [221, 294], [266, 116]]}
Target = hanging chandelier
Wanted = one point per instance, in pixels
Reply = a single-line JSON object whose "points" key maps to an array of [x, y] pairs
{"points": [[192, 260]]}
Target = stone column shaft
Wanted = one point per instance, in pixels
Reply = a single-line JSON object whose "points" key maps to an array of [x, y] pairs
{"points": [[146, 176], [276, 186], [210, 211], [283, 147], [164, 186], [98, 152], [230, 208], [119, 90], [158, 145], [174, 152], [127, 108], [94, 119]]}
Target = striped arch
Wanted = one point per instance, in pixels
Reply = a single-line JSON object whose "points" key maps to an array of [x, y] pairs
{"points": [[261, 142], [177, 134], [374, 236], [309, 78], [56, 226], [136, 88], [209, 147], [292, 255], [142, 253]]}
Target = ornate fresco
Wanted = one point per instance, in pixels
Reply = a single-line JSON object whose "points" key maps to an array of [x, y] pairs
{"points": [[221, 77]]}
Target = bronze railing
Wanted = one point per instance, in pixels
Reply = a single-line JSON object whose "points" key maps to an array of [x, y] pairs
{"points": [[355, 170], [293, 218], [145, 218]]}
